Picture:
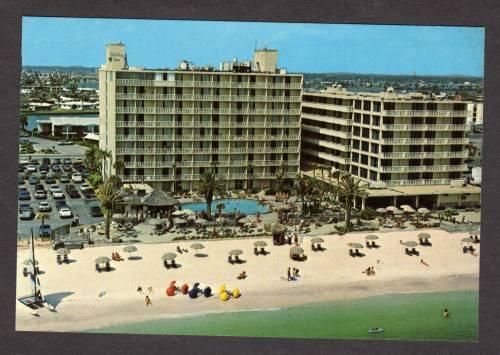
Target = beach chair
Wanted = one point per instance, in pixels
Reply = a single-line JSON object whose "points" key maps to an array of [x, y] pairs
{"points": [[407, 251], [97, 268], [230, 259], [262, 251], [313, 247], [368, 245], [174, 265], [357, 253], [237, 259], [465, 249], [351, 253], [66, 260], [118, 257], [373, 244], [59, 261], [471, 249], [207, 292], [165, 263], [255, 251], [108, 267], [25, 271]]}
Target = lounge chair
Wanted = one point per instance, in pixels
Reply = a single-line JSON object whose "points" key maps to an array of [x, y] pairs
{"points": [[59, 260], [165, 263], [374, 245], [97, 268], [465, 249], [313, 247], [108, 267], [174, 265], [237, 259], [66, 260], [207, 292], [351, 253], [262, 251], [407, 251], [255, 251], [230, 259], [357, 253], [25, 271], [471, 249], [368, 245]]}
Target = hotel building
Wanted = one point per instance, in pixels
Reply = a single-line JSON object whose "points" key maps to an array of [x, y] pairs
{"points": [[169, 126], [407, 145]]}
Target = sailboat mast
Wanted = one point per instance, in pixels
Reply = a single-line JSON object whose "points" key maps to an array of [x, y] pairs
{"points": [[33, 261]]}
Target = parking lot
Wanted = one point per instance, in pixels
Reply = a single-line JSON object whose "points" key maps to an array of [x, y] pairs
{"points": [[79, 206]]}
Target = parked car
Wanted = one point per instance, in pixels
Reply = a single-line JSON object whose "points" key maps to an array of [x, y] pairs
{"points": [[64, 142], [33, 180], [95, 211], [34, 162], [45, 161], [65, 212], [24, 162], [24, 195], [49, 179], [74, 194], [44, 231], [20, 169], [20, 180], [61, 204], [56, 161], [67, 162], [44, 207], [54, 187], [76, 177], [31, 168], [40, 195], [67, 168], [89, 193], [26, 212], [57, 194], [64, 178], [85, 186], [56, 167], [39, 187]]}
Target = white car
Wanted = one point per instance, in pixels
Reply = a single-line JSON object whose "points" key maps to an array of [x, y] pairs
{"points": [[57, 194], [44, 207], [31, 168], [76, 177], [40, 194], [85, 186], [24, 162], [54, 187], [64, 142], [65, 212]]}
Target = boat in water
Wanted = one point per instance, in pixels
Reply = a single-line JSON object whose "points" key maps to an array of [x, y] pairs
{"points": [[35, 299], [375, 330]]}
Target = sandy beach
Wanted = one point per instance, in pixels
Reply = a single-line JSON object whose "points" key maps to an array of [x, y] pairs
{"points": [[328, 275]]}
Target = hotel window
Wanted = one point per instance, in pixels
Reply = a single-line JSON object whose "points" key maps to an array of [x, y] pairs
{"points": [[374, 162], [413, 176], [363, 173], [354, 170], [386, 162], [430, 134], [355, 157], [389, 106], [374, 148], [428, 162], [366, 119], [357, 104], [429, 148], [365, 146], [375, 134], [355, 144], [355, 131], [414, 162], [376, 120], [432, 106], [427, 176], [357, 117], [459, 107], [385, 177], [376, 106], [373, 175], [366, 133], [417, 120], [367, 105], [430, 120], [364, 159]]}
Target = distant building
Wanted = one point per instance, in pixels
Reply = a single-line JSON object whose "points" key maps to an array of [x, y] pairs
{"points": [[78, 105], [69, 127], [40, 106], [475, 116], [170, 126]]}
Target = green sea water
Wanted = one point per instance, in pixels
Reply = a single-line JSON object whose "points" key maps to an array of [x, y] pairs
{"points": [[402, 316]]}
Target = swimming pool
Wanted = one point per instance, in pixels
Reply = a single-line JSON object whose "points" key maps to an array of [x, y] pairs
{"points": [[245, 206]]}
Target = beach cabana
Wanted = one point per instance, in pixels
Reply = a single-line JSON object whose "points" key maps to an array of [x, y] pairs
{"points": [[62, 255], [316, 244], [130, 249], [410, 244], [236, 253], [196, 247], [103, 260], [423, 210], [423, 239], [297, 253], [278, 231], [370, 241], [169, 257], [468, 248], [356, 247], [259, 244], [158, 201]]}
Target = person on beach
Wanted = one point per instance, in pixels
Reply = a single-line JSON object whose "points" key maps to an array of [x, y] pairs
{"points": [[139, 289], [296, 239], [150, 289], [372, 270], [77, 220], [446, 313], [288, 274], [148, 301], [295, 272], [423, 262]]}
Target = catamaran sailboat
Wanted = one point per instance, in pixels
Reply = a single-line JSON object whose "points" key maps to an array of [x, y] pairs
{"points": [[35, 300]]}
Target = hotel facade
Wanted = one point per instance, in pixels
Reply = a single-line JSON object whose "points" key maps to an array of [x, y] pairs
{"points": [[170, 126], [409, 146]]}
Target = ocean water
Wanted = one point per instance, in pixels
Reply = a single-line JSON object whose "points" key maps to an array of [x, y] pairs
{"points": [[402, 316]]}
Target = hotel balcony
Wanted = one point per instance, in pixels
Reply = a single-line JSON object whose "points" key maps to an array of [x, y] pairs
{"points": [[207, 84], [220, 163], [423, 155], [330, 107], [326, 156], [239, 98], [198, 124], [206, 111], [425, 113], [392, 183], [422, 168], [196, 177], [327, 144], [425, 127], [412, 141], [166, 151], [139, 138], [328, 132], [327, 119]]}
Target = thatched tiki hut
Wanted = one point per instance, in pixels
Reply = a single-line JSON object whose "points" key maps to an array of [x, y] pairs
{"points": [[159, 204], [278, 231]]}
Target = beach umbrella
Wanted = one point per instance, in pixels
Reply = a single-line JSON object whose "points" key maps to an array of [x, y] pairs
{"points": [[391, 208], [260, 243], [424, 236], [179, 221], [371, 237], [189, 212], [178, 213], [467, 240], [236, 252], [129, 249], [28, 262], [245, 220], [117, 216], [296, 250], [356, 245], [102, 260], [317, 240], [278, 228], [410, 244], [404, 207], [63, 251], [169, 256], [197, 246], [201, 221], [423, 210], [381, 210], [397, 212], [409, 209]]}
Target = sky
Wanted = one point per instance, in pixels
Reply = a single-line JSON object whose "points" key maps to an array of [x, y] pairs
{"points": [[304, 48]]}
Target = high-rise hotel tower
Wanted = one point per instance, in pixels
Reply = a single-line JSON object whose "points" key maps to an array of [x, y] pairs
{"points": [[169, 126]]}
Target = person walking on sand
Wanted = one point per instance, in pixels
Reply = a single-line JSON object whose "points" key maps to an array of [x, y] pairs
{"points": [[150, 289], [446, 313], [139, 289], [148, 301], [288, 274]]}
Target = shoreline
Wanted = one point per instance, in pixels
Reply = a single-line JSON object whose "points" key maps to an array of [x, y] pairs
{"points": [[332, 275]]}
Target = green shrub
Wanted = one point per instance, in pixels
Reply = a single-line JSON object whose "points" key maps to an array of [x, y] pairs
{"points": [[368, 214]]}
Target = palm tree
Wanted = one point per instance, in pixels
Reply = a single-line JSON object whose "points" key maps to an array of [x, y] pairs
{"points": [[174, 166], [301, 189], [249, 168], [350, 188], [91, 158], [110, 197], [43, 217], [118, 165], [116, 181], [210, 185], [315, 167], [23, 120], [103, 156]]}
